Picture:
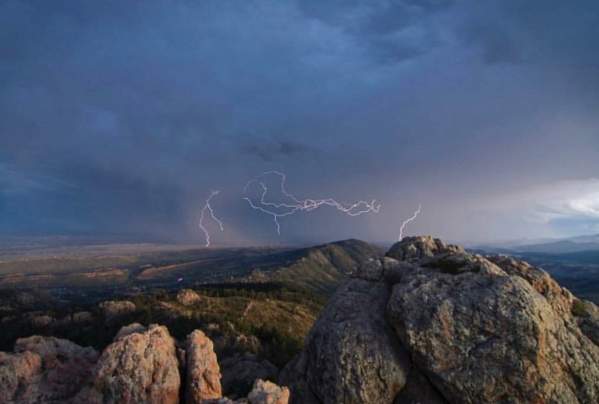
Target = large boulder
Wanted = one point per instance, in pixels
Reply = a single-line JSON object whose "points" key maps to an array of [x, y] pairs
{"points": [[491, 330], [203, 372], [44, 369], [139, 367], [351, 354], [465, 329]]}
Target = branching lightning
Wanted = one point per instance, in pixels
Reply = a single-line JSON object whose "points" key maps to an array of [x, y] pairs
{"points": [[407, 221], [208, 208], [295, 205]]}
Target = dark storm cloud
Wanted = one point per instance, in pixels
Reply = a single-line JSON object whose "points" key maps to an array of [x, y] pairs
{"points": [[271, 151], [537, 31], [122, 116], [496, 44], [391, 31]]}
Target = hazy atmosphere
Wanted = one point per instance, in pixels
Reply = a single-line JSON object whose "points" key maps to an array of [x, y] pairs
{"points": [[120, 121]]}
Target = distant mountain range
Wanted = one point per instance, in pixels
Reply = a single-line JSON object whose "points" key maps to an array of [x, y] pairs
{"points": [[545, 246]]}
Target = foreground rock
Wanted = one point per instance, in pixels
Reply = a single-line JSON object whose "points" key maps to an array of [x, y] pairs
{"points": [[44, 369], [486, 331], [203, 372], [140, 367], [351, 354], [475, 329]]}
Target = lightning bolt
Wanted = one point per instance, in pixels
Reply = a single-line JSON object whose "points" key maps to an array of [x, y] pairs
{"points": [[295, 205], [407, 221], [208, 208]]}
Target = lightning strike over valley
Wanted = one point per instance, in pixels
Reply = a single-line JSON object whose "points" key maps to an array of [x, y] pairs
{"points": [[208, 208], [295, 205]]}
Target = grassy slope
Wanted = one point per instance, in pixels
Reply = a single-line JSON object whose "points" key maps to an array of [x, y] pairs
{"points": [[319, 269], [278, 316], [278, 302]]}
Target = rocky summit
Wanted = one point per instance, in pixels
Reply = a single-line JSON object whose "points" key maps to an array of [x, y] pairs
{"points": [[428, 323], [431, 323]]}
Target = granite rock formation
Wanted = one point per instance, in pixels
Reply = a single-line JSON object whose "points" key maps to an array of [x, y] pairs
{"points": [[465, 329]]}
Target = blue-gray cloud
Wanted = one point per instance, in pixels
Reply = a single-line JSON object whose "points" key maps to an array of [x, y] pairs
{"points": [[121, 117]]}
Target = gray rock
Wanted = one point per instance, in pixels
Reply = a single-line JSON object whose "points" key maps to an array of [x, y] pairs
{"points": [[587, 316], [484, 333], [417, 248], [370, 270], [351, 354], [394, 270], [559, 298], [419, 390]]}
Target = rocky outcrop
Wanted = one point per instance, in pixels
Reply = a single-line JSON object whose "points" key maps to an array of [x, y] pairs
{"points": [[43, 369], [203, 372], [351, 354], [466, 329], [485, 330], [16, 372], [140, 367], [188, 297], [265, 392], [112, 309], [419, 248]]}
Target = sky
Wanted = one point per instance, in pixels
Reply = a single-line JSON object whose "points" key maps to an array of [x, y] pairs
{"points": [[119, 118]]}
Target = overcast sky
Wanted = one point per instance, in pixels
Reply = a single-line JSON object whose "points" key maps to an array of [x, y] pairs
{"points": [[121, 117]]}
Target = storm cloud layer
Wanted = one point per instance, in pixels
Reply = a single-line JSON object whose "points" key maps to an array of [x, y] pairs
{"points": [[120, 117]]}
